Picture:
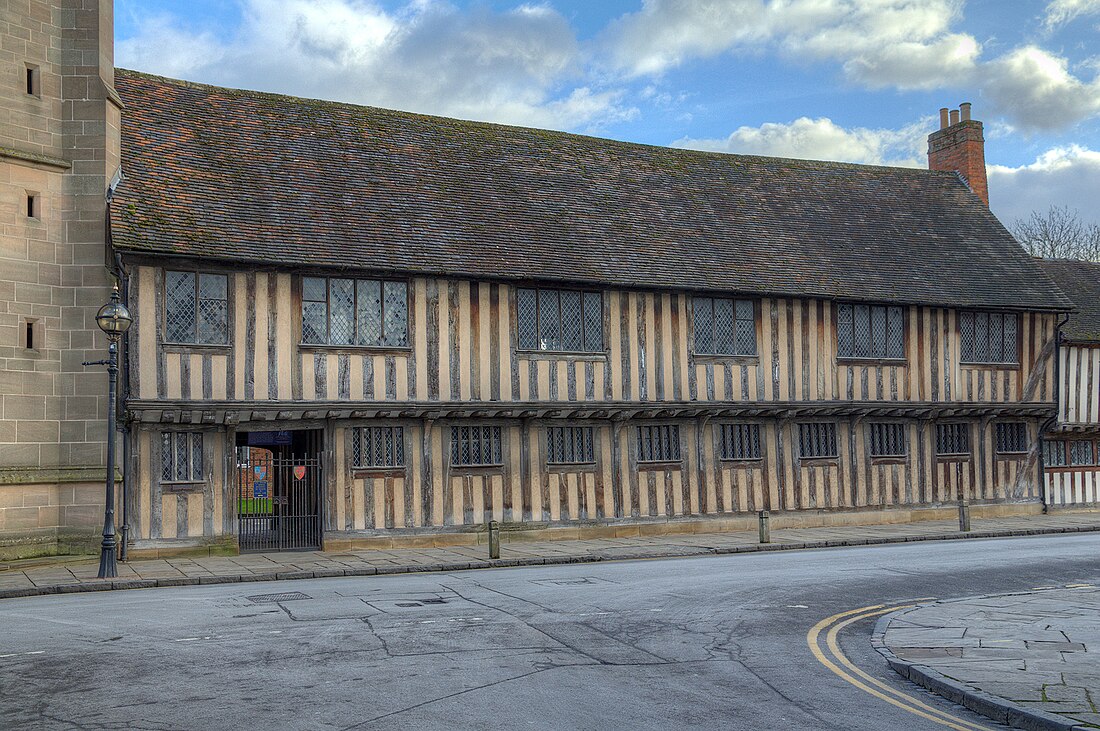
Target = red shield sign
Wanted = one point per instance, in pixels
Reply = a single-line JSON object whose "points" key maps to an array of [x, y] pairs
{"points": [[299, 471]]}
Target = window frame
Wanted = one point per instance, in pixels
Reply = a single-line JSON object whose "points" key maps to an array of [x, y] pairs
{"points": [[496, 446], [1059, 445], [872, 441], [198, 274], [587, 443], [1070, 463], [558, 291], [652, 458], [735, 301], [355, 345], [731, 433], [871, 358], [1016, 343], [357, 447], [969, 453], [832, 437], [197, 441]]}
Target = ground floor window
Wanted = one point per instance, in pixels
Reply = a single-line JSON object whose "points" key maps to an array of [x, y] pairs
{"points": [[740, 441], [473, 446], [953, 439], [1054, 453], [888, 440], [570, 445], [659, 443], [181, 457], [817, 440], [378, 446], [1012, 437]]}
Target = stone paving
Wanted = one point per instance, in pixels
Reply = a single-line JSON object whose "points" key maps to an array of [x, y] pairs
{"points": [[1039, 651], [66, 574]]}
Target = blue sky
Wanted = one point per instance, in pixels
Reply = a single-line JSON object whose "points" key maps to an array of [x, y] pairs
{"points": [[853, 80]]}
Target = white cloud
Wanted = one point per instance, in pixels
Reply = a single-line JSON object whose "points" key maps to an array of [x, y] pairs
{"points": [[903, 44], [906, 43], [822, 139], [1063, 11], [1063, 176], [1037, 89], [520, 66]]}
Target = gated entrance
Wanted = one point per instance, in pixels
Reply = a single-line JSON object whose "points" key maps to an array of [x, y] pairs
{"points": [[279, 490]]}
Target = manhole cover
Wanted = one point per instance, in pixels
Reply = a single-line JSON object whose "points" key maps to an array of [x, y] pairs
{"points": [[286, 596]]}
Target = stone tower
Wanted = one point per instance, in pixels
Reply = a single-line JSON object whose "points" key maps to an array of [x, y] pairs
{"points": [[59, 148]]}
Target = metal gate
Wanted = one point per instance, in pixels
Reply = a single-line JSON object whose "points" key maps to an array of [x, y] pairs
{"points": [[279, 501]]}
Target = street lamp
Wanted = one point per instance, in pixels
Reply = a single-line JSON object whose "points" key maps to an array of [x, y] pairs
{"points": [[114, 319]]}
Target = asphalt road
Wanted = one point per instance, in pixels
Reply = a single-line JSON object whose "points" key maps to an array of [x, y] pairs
{"points": [[694, 643]]}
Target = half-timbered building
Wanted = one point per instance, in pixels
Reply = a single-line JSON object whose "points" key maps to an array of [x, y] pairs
{"points": [[1071, 459], [356, 325]]}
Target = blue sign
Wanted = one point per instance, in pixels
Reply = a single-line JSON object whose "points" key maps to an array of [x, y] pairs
{"points": [[259, 489], [269, 438]]}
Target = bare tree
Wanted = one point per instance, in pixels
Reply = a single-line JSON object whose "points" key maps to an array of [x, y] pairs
{"points": [[1058, 234]]}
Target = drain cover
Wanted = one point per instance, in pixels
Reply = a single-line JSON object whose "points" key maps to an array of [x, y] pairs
{"points": [[286, 596]]}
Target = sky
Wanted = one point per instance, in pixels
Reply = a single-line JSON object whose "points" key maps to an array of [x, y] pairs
{"points": [[850, 80]]}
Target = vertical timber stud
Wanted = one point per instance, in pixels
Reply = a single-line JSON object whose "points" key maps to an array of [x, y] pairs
{"points": [[964, 504], [494, 539], [765, 526]]}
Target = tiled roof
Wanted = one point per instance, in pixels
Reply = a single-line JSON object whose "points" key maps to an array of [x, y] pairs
{"points": [[234, 175], [1080, 280]]}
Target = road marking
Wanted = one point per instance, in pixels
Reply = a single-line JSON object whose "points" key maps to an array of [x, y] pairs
{"points": [[826, 655], [17, 654]]}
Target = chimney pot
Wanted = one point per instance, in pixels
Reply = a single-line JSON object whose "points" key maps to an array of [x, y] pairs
{"points": [[964, 110], [954, 117], [943, 118]]}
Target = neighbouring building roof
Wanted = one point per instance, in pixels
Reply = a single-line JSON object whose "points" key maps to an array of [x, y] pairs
{"points": [[1080, 281], [224, 174]]}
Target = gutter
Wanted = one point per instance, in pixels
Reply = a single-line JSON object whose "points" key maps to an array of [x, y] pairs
{"points": [[1045, 426]]}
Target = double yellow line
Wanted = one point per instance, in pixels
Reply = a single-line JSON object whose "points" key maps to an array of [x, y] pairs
{"points": [[828, 654]]}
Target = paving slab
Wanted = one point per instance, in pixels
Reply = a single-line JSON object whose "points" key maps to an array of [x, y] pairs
{"points": [[1033, 662]]}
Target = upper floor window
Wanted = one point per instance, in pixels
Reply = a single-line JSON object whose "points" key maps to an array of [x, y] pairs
{"points": [[659, 443], [740, 441], [987, 337], [1012, 436], [888, 439], [476, 446], [953, 439], [724, 326], [817, 439], [181, 457], [378, 446], [354, 312], [561, 320], [196, 308], [570, 445], [870, 331]]}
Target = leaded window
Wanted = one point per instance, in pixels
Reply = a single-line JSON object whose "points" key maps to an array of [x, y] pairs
{"points": [[724, 326], [1012, 436], [817, 439], [659, 443], [378, 446], [740, 441], [561, 320], [181, 457], [570, 445], [988, 337], [870, 331], [1080, 452], [1054, 453], [888, 439], [368, 312], [953, 438], [473, 446], [196, 308]]}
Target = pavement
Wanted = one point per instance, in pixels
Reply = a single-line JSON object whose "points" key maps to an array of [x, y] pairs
{"points": [[1029, 660], [68, 575]]}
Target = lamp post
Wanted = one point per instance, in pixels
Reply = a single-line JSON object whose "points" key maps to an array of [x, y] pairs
{"points": [[114, 319]]}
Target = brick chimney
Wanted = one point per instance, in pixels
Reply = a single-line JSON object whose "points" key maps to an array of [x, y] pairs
{"points": [[958, 146]]}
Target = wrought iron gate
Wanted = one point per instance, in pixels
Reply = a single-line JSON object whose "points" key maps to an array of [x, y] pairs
{"points": [[279, 501]]}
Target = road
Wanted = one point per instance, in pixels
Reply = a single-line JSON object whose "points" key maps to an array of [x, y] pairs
{"points": [[693, 643]]}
